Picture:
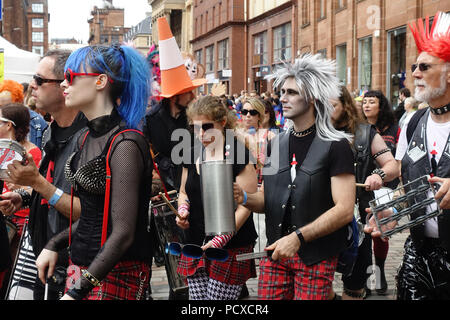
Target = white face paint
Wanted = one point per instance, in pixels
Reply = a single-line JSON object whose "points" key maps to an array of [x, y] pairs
{"points": [[192, 68]]}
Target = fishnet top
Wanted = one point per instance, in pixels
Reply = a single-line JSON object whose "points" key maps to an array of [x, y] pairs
{"points": [[131, 179]]}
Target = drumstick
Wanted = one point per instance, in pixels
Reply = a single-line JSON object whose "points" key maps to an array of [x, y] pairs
{"points": [[361, 185], [171, 206]]}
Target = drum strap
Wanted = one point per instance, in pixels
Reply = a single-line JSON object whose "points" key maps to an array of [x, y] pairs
{"points": [[107, 190]]}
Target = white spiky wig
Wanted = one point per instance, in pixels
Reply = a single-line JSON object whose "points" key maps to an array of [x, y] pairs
{"points": [[316, 79]]}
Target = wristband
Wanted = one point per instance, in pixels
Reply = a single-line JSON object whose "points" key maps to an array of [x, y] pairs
{"points": [[26, 198], [89, 277], [300, 237], [380, 172], [56, 196], [245, 198]]}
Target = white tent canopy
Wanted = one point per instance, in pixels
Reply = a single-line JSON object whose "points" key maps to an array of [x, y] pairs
{"points": [[20, 65]]}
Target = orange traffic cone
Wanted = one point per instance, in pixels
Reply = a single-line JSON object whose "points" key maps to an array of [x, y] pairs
{"points": [[175, 79]]}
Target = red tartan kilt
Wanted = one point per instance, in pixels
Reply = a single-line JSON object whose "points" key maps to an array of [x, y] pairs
{"points": [[230, 272], [127, 281]]}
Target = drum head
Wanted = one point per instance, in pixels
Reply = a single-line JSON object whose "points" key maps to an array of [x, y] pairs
{"points": [[9, 151]]}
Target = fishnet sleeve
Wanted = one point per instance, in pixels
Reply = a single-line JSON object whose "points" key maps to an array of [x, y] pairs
{"points": [[61, 240]]}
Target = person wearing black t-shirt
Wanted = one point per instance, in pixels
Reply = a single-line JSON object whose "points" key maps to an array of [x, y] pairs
{"points": [[309, 201], [212, 279]]}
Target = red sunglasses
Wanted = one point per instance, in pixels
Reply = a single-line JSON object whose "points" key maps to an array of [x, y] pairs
{"points": [[69, 75]]}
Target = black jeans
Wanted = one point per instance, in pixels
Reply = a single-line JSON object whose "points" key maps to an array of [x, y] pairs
{"points": [[425, 272]]}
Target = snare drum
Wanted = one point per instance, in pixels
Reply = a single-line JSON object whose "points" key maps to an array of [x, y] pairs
{"points": [[9, 151], [168, 231]]}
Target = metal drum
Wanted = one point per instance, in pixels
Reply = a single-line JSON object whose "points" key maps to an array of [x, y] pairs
{"points": [[217, 195], [10, 150], [168, 231]]}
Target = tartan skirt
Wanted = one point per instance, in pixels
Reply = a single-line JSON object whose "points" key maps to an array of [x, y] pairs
{"points": [[231, 272], [290, 278], [128, 280]]}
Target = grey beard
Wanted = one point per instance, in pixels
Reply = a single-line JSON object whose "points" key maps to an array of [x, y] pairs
{"points": [[430, 94]]}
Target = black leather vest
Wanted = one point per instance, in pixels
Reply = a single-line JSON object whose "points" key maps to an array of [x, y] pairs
{"points": [[309, 195], [416, 164]]}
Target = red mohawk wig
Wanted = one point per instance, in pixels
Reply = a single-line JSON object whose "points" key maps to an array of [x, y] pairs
{"points": [[436, 41]]}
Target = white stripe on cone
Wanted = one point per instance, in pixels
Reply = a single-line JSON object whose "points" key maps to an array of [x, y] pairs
{"points": [[170, 54]]}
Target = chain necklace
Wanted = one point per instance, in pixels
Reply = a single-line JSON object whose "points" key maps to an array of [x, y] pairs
{"points": [[303, 133]]}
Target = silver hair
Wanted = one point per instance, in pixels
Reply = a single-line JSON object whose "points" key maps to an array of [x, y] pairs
{"points": [[316, 79]]}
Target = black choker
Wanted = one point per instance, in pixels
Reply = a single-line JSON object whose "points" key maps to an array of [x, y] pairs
{"points": [[441, 110], [303, 133]]}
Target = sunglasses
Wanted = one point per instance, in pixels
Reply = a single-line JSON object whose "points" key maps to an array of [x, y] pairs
{"points": [[422, 66], [196, 252], [252, 112], [7, 120], [204, 127], [69, 75], [40, 81]]}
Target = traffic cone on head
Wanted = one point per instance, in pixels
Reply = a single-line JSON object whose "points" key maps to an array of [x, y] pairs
{"points": [[175, 79]]}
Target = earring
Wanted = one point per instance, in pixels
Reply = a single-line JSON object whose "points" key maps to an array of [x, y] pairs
{"points": [[99, 82]]}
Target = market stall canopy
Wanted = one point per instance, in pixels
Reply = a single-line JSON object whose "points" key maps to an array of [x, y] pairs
{"points": [[20, 65]]}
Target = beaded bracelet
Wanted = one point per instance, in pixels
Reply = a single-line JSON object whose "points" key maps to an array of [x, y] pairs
{"points": [[26, 197]]}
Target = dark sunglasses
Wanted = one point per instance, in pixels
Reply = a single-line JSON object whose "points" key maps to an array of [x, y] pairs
{"points": [[204, 127], [40, 81], [252, 112], [422, 67], [196, 252], [69, 75]]}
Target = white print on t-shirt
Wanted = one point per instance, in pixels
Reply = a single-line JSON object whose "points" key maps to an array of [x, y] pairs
{"points": [[436, 137]]}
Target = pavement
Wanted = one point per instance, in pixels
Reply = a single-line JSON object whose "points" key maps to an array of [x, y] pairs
{"points": [[160, 287]]}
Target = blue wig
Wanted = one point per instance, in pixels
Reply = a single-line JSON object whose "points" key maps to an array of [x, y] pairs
{"points": [[130, 74]]}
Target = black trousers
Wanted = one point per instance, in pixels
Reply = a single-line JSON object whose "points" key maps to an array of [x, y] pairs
{"points": [[425, 272]]}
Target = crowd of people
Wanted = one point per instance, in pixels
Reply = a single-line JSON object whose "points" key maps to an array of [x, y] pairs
{"points": [[100, 149]]}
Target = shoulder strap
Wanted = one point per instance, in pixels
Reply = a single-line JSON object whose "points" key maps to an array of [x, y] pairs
{"points": [[412, 124], [108, 185]]}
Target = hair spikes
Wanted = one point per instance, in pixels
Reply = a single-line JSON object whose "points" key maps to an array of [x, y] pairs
{"points": [[316, 79], [435, 41]]}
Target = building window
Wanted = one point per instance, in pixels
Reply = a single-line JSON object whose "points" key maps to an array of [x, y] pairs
{"points": [[323, 53], [38, 49], [37, 37], [115, 38], [341, 4], [365, 64], [37, 7], [305, 12], [396, 63], [282, 43], [260, 56], [199, 56], [223, 54], [37, 23], [323, 9], [210, 59], [341, 63]]}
